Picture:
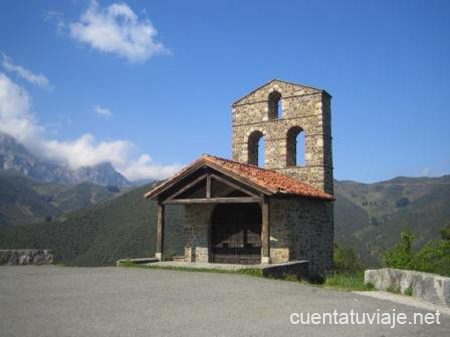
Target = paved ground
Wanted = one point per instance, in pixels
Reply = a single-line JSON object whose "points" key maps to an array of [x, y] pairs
{"points": [[59, 301]]}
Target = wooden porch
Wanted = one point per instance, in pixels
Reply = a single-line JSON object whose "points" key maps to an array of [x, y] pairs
{"points": [[208, 186]]}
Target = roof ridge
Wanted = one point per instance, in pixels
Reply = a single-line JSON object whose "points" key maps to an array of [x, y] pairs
{"points": [[270, 179], [276, 79], [270, 172]]}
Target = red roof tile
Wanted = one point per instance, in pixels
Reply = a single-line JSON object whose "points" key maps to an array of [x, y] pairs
{"points": [[267, 179]]}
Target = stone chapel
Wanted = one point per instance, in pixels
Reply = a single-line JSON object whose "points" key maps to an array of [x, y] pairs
{"points": [[246, 211]]}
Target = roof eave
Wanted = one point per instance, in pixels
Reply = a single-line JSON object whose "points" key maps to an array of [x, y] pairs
{"points": [[171, 181], [153, 194]]}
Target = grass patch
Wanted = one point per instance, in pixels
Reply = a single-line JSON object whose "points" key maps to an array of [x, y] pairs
{"points": [[248, 271], [347, 281], [409, 291], [339, 281]]}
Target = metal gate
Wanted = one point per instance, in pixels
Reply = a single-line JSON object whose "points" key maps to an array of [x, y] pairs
{"points": [[234, 239]]}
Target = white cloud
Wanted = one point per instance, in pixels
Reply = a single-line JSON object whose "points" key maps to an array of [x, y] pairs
{"points": [[18, 120], [102, 111], [117, 29], [85, 151], [144, 167], [426, 172], [56, 17], [39, 80], [16, 117]]}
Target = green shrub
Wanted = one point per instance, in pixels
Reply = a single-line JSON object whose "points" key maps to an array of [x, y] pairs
{"points": [[400, 256], [434, 257], [346, 260]]}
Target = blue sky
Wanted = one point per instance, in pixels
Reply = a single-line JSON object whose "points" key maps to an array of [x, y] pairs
{"points": [[166, 94]]}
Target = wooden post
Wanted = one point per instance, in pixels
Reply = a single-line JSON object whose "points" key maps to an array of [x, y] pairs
{"points": [[208, 186], [160, 232], [265, 232]]}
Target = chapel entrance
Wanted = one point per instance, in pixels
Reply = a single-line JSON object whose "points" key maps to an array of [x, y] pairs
{"points": [[236, 233]]}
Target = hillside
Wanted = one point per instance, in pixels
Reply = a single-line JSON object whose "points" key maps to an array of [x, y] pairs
{"points": [[371, 216], [123, 227], [24, 201], [368, 217]]}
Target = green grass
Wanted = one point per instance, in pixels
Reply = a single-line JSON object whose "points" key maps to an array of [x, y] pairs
{"points": [[347, 281], [249, 271]]}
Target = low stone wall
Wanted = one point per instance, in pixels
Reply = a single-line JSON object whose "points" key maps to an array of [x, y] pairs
{"points": [[25, 256], [429, 287]]}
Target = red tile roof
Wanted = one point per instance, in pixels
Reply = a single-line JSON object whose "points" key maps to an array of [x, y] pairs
{"points": [[267, 179]]}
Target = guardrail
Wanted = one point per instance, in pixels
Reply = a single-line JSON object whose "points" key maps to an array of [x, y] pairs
{"points": [[429, 287]]}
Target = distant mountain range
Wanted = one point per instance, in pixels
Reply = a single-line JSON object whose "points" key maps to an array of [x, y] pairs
{"points": [[24, 200], [15, 157], [368, 217]]}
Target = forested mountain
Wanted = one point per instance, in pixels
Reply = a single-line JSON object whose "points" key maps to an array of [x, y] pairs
{"points": [[371, 216], [122, 227], [368, 217], [24, 201]]}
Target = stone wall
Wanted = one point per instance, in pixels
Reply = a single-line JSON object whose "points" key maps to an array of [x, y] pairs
{"points": [[301, 229], [429, 287], [305, 228], [303, 107], [196, 232], [279, 255], [25, 257]]}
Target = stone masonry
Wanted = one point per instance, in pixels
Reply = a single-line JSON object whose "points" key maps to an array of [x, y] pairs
{"points": [[304, 109], [196, 232], [429, 287], [300, 230], [25, 257]]}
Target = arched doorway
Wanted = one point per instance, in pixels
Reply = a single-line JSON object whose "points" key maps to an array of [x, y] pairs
{"points": [[236, 234]]}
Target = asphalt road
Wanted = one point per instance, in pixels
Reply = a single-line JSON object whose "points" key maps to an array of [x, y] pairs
{"points": [[61, 301]]}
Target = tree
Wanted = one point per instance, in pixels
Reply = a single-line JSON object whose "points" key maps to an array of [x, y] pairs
{"points": [[433, 257], [346, 260], [400, 256]]}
